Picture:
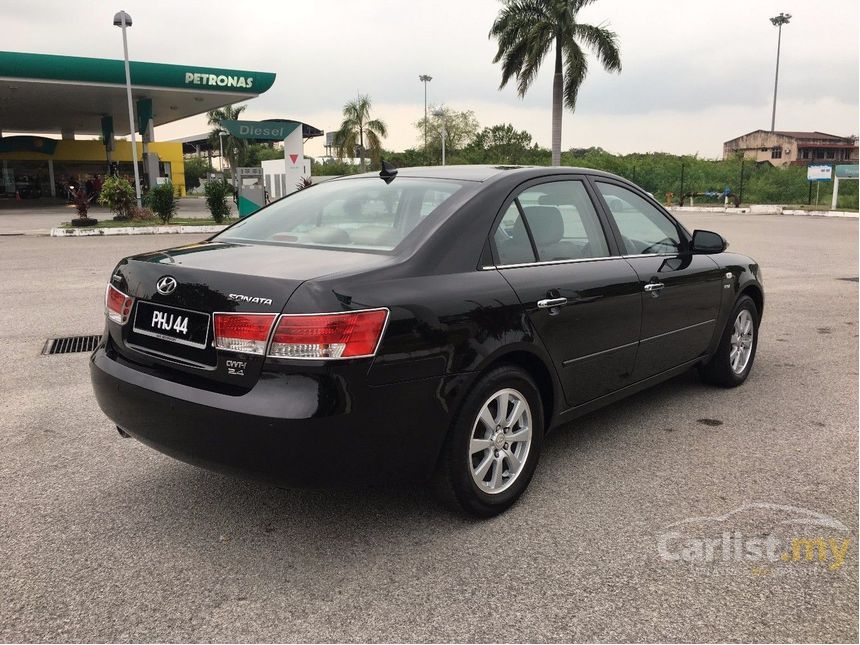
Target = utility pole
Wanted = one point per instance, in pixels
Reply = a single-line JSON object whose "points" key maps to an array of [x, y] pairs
{"points": [[425, 78], [777, 21]]}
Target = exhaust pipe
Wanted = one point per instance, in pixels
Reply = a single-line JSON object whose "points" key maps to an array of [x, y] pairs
{"points": [[123, 433]]}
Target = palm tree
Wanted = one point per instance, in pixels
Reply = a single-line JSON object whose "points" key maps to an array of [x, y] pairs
{"points": [[232, 144], [357, 127], [527, 29]]}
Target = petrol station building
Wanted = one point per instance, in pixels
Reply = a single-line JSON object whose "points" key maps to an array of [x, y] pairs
{"points": [[60, 117]]}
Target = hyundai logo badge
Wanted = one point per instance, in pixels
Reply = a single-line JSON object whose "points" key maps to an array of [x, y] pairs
{"points": [[166, 285]]}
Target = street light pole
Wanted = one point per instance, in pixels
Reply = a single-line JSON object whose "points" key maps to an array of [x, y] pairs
{"points": [[777, 21], [425, 78], [440, 114], [123, 20]]}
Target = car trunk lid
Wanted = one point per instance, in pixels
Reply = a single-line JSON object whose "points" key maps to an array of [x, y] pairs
{"points": [[178, 291]]}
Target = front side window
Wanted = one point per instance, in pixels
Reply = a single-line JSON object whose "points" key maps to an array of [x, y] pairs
{"points": [[363, 214], [644, 229]]}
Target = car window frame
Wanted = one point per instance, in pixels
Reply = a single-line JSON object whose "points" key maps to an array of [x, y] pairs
{"points": [[614, 250], [684, 235]]}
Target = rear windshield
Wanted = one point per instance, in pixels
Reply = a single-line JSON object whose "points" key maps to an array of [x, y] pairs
{"points": [[356, 214]]}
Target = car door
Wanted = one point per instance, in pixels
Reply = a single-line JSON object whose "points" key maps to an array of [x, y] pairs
{"points": [[681, 292], [581, 297]]}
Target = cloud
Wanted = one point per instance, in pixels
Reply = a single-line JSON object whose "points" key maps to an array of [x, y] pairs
{"points": [[695, 73]]}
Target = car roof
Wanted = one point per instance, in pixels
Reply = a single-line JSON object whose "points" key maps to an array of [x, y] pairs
{"points": [[481, 173]]}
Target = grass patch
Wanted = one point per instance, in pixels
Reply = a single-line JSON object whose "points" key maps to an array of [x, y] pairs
{"points": [[177, 221]]}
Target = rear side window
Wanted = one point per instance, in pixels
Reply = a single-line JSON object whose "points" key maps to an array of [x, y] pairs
{"points": [[560, 223], [512, 239], [644, 229], [363, 214]]}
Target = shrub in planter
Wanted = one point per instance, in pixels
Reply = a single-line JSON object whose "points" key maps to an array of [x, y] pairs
{"points": [[83, 207], [141, 214], [117, 195], [216, 192], [161, 200]]}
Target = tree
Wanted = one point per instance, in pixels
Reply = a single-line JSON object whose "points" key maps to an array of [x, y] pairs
{"points": [[356, 128], [501, 144], [460, 129], [258, 152], [407, 158], [526, 30], [196, 168], [234, 147]]}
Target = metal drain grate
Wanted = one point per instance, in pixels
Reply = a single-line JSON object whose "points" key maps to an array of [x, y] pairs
{"points": [[70, 345]]}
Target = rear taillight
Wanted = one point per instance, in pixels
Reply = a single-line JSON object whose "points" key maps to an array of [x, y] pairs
{"points": [[351, 334], [117, 305], [247, 333]]}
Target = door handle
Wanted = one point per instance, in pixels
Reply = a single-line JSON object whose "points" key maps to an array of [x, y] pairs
{"points": [[549, 303], [654, 286]]}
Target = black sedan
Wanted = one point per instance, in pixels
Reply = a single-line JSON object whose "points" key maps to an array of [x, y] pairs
{"points": [[428, 324]]}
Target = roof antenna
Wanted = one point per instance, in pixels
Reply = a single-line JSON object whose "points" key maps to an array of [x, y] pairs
{"points": [[388, 172]]}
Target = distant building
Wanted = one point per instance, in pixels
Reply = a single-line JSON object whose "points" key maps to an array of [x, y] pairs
{"points": [[784, 148]]}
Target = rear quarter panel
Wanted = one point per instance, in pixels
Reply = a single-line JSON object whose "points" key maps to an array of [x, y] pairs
{"points": [[438, 324]]}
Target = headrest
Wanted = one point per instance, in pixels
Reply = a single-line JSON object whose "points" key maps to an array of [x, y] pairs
{"points": [[550, 200], [518, 233], [546, 224]]}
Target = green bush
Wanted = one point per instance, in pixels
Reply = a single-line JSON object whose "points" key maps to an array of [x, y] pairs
{"points": [[117, 195], [217, 192], [662, 173], [161, 200]]}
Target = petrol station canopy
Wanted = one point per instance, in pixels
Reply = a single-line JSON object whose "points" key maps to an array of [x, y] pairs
{"points": [[71, 94]]}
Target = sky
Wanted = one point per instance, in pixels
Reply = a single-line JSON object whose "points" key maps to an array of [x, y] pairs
{"points": [[695, 72]]}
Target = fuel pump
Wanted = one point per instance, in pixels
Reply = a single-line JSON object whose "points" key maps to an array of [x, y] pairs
{"points": [[252, 192]]}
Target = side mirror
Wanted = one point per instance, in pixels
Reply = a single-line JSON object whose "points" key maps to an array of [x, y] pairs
{"points": [[708, 242]]}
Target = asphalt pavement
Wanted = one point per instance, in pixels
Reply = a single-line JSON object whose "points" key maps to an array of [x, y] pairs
{"points": [[104, 539]]}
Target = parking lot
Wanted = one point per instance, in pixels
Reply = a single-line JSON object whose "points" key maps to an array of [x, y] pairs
{"points": [[104, 539]]}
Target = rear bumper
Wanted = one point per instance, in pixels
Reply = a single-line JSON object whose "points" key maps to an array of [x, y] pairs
{"points": [[285, 428]]}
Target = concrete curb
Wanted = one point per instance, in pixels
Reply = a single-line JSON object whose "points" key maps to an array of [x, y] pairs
{"points": [[763, 209], [135, 230]]}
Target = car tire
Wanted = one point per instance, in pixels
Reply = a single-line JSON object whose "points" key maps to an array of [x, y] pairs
{"points": [[726, 368], [489, 458]]}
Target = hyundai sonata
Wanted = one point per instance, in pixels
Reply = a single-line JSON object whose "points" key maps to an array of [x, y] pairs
{"points": [[428, 324]]}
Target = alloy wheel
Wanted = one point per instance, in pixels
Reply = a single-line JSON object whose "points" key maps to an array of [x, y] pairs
{"points": [[743, 335], [500, 441]]}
